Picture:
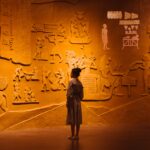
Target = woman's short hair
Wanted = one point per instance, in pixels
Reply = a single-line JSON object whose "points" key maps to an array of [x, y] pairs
{"points": [[76, 72]]}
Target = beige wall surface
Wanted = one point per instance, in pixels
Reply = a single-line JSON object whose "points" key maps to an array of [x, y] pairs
{"points": [[42, 40]]}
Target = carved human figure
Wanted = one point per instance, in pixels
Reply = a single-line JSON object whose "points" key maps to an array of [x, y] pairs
{"points": [[105, 73], [29, 95], [18, 74], [39, 47], [17, 92], [109, 79], [105, 37], [3, 101], [61, 79], [45, 80], [146, 67]]}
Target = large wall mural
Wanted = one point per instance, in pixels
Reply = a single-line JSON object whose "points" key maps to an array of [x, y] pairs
{"points": [[42, 40]]}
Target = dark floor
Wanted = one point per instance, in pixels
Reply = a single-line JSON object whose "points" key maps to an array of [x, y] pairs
{"points": [[91, 138]]}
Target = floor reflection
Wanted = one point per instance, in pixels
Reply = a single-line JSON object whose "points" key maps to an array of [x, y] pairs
{"points": [[74, 145]]}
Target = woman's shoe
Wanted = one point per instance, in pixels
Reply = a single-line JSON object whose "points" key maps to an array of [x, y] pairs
{"points": [[76, 138], [71, 137]]}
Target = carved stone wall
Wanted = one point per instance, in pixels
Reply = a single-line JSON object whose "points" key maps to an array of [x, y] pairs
{"points": [[42, 40]]}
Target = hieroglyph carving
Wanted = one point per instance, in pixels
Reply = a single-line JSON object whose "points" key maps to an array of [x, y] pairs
{"points": [[23, 95], [54, 33], [7, 38], [131, 41], [45, 80], [29, 76], [53, 81], [29, 96], [114, 14], [79, 29], [3, 101], [129, 82], [17, 92], [109, 79], [145, 65], [3, 96], [39, 48], [18, 74], [131, 27], [55, 58], [128, 15], [131, 22], [82, 61], [61, 80]]}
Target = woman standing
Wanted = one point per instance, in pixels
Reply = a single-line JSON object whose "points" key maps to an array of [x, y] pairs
{"points": [[74, 97]]}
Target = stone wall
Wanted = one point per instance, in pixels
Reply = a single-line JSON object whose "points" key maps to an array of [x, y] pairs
{"points": [[42, 40]]}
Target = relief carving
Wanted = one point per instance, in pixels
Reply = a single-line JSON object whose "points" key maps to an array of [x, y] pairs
{"points": [[45, 80], [131, 27], [55, 58], [23, 95], [82, 61], [53, 81], [79, 29], [129, 82], [144, 64], [110, 80], [39, 48], [129, 41], [55, 34], [105, 37], [19, 74], [32, 75], [17, 92], [3, 101], [3, 96], [6, 26], [29, 96], [61, 80]]}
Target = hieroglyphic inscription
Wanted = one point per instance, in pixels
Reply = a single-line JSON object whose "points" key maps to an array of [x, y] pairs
{"points": [[114, 15], [7, 39], [54, 33], [90, 84], [131, 27], [3, 95], [79, 28], [130, 22]]}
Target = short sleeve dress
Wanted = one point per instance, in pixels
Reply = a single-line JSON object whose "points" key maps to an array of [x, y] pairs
{"points": [[74, 97]]}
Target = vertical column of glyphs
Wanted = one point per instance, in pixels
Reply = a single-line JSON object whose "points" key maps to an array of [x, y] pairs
{"points": [[6, 28], [21, 16]]}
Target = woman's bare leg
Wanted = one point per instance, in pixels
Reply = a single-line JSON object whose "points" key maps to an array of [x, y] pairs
{"points": [[72, 129], [77, 130]]}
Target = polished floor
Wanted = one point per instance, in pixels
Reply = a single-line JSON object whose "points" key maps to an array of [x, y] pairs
{"points": [[91, 138]]}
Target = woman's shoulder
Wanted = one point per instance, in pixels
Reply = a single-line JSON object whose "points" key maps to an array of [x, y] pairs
{"points": [[75, 81]]}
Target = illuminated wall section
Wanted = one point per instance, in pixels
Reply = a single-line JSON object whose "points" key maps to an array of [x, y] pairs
{"points": [[42, 40]]}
